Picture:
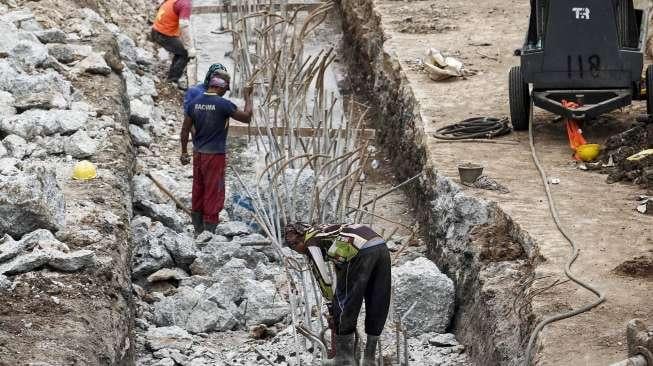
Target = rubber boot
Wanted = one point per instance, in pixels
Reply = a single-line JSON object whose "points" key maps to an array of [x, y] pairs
{"points": [[210, 227], [198, 222], [345, 350], [369, 356]]}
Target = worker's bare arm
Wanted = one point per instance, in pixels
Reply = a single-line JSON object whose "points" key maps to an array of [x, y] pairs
{"points": [[185, 131], [246, 114]]}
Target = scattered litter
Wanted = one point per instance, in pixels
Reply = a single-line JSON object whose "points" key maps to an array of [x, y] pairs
{"points": [[375, 164], [485, 182], [640, 155], [582, 166], [440, 67], [645, 205], [554, 180]]}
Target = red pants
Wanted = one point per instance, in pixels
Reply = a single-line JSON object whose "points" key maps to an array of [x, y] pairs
{"points": [[208, 185]]}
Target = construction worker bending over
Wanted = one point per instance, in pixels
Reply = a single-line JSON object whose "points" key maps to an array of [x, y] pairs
{"points": [[199, 89], [208, 115], [171, 30], [362, 265]]}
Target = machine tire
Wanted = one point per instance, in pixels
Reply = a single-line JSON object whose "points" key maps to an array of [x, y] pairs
{"points": [[520, 99], [649, 89]]}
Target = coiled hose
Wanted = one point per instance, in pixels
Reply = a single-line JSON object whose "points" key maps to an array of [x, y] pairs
{"points": [[477, 127], [570, 260]]}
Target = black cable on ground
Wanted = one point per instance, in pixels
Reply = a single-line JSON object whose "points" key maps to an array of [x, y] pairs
{"points": [[573, 255], [474, 128]]}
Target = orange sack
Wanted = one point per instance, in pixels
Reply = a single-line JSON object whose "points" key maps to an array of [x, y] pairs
{"points": [[574, 132]]}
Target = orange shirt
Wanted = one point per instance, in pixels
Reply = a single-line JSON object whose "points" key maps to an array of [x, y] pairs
{"points": [[167, 18]]}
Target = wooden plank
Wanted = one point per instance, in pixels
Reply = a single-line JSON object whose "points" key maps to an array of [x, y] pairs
{"points": [[240, 130], [215, 9]]}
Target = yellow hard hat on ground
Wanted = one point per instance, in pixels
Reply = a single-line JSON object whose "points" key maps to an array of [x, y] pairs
{"points": [[588, 152], [84, 170]]}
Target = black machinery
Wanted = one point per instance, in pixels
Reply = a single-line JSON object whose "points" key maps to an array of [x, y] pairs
{"points": [[589, 52]]}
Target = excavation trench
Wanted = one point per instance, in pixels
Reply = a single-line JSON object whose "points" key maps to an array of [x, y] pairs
{"points": [[486, 254]]}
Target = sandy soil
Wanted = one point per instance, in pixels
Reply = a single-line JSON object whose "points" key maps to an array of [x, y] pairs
{"points": [[601, 217]]}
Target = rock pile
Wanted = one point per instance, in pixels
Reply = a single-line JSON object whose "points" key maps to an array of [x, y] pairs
{"points": [[622, 145]]}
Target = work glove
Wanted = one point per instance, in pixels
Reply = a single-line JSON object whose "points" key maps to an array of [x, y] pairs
{"points": [[192, 53], [184, 159]]}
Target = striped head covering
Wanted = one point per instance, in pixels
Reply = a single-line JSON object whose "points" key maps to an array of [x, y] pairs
{"points": [[216, 69]]}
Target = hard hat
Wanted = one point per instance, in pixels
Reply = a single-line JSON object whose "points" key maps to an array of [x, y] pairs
{"points": [[84, 170], [588, 152]]}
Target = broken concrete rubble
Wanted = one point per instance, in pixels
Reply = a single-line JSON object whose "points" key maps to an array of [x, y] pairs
{"points": [[421, 283], [29, 201], [29, 54], [46, 90], [52, 35], [168, 337], [93, 64], [38, 122], [67, 53], [80, 145], [140, 137]]}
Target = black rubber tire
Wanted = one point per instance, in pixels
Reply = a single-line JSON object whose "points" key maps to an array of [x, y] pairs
{"points": [[520, 99], [649, 89]]}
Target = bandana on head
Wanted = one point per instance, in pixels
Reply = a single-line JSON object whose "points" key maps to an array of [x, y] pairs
{"points": [[215, 68], [219, 82]]}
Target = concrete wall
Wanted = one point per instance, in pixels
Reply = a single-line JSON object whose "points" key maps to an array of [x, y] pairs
{"points": [[487, 255]]}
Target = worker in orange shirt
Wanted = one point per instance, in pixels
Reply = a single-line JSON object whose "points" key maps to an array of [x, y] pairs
{"points": [[172, 31]]}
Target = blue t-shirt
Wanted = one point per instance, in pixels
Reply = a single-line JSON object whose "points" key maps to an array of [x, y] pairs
{"points": [[192, 93], [210, 115]]}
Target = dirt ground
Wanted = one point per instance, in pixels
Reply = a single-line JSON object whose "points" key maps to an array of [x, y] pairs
{"points": [[612, 236]]}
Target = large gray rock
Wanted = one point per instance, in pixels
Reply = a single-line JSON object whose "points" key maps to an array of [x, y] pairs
{"points": [[232, 228], [16, 146], [149, 254], [8, 72], [213, 256], [29, 201], [93, 64], [23, 19], [38, 122], [195, 310], [10, 248], [166, 274], [26, 262], [420, 282], [5, 283], [8, 36], [52, 35], [68, 53], [127, 48], [71, 262], [9, 166], [46, 90], [145, 190], [140, 137], [29, 54], [168, 337], [140, 113], [182, 249], [53, 145], [166, 213], [80, 145], [138, 86], [263, 303], [6, 103]]}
